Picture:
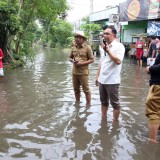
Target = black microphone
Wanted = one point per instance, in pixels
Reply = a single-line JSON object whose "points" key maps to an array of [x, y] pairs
{"points": [[104, 42]]}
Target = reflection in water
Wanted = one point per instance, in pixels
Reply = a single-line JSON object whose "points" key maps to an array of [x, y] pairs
{"points": [[40, 120], [4, 104], [76, 131]]}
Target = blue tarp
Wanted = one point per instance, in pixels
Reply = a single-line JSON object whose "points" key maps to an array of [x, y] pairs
{"points": [[153, 28]]}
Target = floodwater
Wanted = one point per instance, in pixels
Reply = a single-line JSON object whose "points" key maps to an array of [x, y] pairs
{"points": [[39, 119]]}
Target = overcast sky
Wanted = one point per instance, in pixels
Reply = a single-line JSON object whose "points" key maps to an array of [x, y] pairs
{"points": [[81, 8]]}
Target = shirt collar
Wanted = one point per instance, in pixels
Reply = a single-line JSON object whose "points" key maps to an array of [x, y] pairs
{"points": [[82, 46], [112, 43]]}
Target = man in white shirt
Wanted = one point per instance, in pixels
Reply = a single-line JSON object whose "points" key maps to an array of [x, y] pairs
{"points": [[108, 75]]}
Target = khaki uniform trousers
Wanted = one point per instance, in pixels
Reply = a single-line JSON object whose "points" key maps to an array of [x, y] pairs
{"points": [[153, 105]]}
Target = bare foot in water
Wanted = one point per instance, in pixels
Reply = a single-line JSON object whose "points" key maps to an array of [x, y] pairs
{"points": [[153, 141]]}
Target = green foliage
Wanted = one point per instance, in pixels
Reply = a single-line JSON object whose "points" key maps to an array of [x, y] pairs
{"points": [[27, 42], [38, 34], [13, 64], [90, 27], [17, 27], [49, 13], [59, 32], [69, 41], [9, 22]]}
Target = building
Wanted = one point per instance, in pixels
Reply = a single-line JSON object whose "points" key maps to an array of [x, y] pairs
{"points": [[132, 17]]}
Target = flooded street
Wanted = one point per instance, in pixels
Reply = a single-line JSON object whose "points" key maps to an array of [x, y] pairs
{"points": [[39, 119]]}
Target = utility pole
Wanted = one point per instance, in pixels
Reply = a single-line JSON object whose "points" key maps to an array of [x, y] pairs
{"points": [[90, 34], [91, 6]]}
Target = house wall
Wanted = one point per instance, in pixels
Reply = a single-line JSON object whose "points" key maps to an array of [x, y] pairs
{"points": [[103, 15], [136, 27]]}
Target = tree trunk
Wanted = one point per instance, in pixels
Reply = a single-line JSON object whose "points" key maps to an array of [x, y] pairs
{"points": [[4, 46]]}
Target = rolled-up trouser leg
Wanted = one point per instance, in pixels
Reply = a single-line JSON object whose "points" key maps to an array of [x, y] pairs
{"points": [[153, 105]]}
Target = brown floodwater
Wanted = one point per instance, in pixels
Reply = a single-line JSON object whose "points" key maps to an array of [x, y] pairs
{"points": [[40, 120]]}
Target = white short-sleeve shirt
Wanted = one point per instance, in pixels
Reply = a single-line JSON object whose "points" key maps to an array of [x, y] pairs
{"points": [[110, 71]]}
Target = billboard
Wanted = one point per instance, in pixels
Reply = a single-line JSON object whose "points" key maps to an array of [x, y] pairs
{"points": [[132, 10]]}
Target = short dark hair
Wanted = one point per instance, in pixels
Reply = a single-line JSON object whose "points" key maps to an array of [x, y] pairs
{"points": [[153, 37], [113, 29], [105, 27]]}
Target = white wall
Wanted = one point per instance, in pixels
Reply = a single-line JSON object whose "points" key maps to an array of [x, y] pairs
{"points": [[128, 33]]}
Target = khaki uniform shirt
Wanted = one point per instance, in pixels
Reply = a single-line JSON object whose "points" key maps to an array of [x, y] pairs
{"points": [[81, 54]]}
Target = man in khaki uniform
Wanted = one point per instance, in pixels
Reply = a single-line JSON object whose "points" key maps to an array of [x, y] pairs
{"points": [[153, 100], [81, 56]]}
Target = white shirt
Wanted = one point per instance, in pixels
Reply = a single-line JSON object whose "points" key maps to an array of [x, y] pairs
{"points": [[101, 50], [110, 71]]}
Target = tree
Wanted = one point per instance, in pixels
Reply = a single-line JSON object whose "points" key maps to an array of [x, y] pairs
{"points": [[58, 8], [9, 25], [60, 30], [17, 17], [90, 27]]}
